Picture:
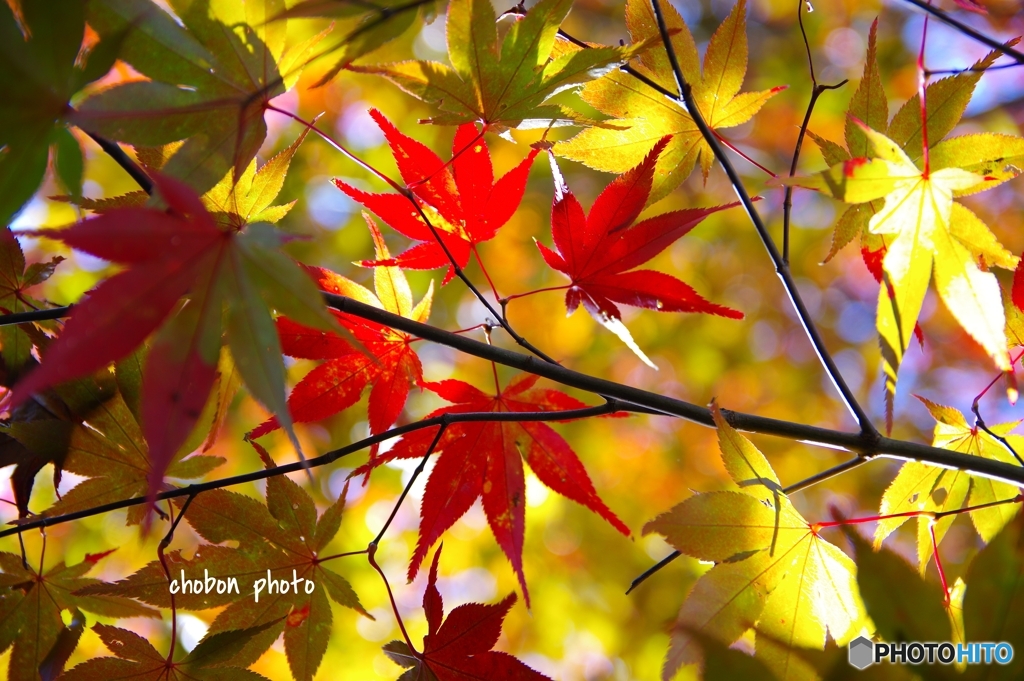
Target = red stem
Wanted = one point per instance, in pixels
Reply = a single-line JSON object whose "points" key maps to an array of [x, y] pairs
{"points": [[742, 154], [917, 514], [334, 143], [988, 387], [483, 269], [922, 87], [515, 296], [938, 564]]}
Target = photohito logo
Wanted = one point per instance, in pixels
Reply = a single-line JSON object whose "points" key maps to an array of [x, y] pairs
{"points": [[863, 652]]}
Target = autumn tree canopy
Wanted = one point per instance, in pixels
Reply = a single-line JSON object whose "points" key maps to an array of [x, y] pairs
{"points": [[291, 357]]}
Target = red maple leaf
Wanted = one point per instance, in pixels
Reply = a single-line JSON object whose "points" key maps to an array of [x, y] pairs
{"points": [[167, 253], [596, 251], [390, 364], [481, 459], [460, 198], [459, 648]]}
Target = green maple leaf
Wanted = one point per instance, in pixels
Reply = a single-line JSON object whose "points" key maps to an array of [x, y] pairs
{"points": [[507, 85], [31, 602], [916, 611], [282, 537], [40, 71], [920, 487], [211, 79], [136, 658], [773, 571], [111, 453], [237, 202], [647, 115]]}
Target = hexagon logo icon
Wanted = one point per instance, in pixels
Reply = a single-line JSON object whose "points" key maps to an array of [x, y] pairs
{"points": [[861, 652]]}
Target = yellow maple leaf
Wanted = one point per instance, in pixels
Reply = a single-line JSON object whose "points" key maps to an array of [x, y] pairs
{"points": [[924, 488], [648, 115], [773, 571], [925, 231]]}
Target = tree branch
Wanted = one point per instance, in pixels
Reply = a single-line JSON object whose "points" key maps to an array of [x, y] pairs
{"points": [[447, 419], [623, 398]]}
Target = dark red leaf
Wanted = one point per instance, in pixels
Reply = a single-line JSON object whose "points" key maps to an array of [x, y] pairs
{"points": [[459, 649]]}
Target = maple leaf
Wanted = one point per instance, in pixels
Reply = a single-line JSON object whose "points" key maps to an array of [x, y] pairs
{"points": [[463, 202], [170, 255], [905, 214], [237, 203], [391, 366], [595, 251], [283, 537], [41, 69], [481, 459], [928, 231], [648, 116], [917, 611], [993, 599], [15, 278], [459, 647], [108, 449], [772, 572], [31, 602], [920, 487], [212, 76], [507, 86], [136, 658]]}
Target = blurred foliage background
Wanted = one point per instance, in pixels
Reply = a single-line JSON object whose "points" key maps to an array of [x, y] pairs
{"points": [[582, 625]]}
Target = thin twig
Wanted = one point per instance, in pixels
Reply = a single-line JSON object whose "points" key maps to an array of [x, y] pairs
{"points": [[781, 268], [816, 91], [122, 159], [161, 547], [408, 485], [968, 31]]}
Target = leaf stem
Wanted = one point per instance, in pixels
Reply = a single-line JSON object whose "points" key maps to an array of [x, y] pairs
{"points": [[741, 153], [781, 267], [938, 563], [795, 487], [337, 145], [922, 91]]}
